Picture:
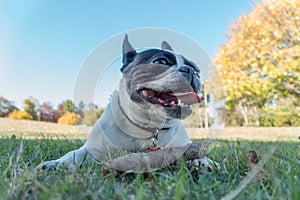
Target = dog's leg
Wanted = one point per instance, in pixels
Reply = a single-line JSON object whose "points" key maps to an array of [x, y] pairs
{"points": [[69, 160], [204, 164]]}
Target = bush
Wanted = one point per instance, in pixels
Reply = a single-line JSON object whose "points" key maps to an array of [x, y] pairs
{"points": [[234, 118], [282, 119], [196, 119], [267, 120], [69, 118], [18, 114], [279, 116], [91, 116], [295, 119]]}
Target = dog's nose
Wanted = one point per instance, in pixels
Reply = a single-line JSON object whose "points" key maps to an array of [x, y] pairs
{"points": [[184, 69], [189, 74]]}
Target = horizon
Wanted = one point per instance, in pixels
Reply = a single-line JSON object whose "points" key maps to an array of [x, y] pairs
{"points": [[44, 44]]}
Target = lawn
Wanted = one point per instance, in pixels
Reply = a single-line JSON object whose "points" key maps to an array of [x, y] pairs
{"points": [[280, 161]]}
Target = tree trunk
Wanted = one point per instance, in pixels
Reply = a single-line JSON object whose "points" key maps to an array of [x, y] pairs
{"points": [[206, 109], [256, 115], [243, 110]]}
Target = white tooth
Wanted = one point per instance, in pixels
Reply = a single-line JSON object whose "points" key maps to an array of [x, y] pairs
{"points": [[145, 93], [179, 102]]}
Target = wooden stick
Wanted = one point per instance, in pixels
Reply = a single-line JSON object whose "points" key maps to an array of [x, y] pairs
{"points": [[151, 161]]}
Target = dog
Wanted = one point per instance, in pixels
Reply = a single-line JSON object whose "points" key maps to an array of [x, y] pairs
{"points": [[155, 93]]}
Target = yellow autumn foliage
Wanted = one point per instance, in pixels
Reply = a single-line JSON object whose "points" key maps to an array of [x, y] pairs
{"points": [[261, 58], [69, 118], [18, 114]]}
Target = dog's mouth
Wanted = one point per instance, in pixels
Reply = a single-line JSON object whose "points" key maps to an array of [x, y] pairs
{"points": [[169, 99]]}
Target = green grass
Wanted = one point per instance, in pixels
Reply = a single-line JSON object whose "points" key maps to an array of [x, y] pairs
{"points": [[20, 180]]}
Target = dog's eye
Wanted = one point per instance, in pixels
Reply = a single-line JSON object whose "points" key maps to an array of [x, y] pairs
{"points": [[161, 61]]}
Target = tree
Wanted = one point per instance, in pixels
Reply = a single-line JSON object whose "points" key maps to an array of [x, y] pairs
{"points": [[92, 114], [63, 108], [6, 107], [69, 119], [59, 112], [261, 58], [69, 106], [31, 107], [80, 108], [46, 112], [18, 114]]}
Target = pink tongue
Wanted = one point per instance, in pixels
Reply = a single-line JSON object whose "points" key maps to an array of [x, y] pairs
{"points": [[188, 98]]}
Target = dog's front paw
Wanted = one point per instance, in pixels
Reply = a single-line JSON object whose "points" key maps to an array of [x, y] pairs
{"points": [[68, 161], [54, 165], [49, 165], [204, 164]]}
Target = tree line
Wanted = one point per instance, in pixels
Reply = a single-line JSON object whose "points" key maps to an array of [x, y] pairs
{"points": [[65, 113]]}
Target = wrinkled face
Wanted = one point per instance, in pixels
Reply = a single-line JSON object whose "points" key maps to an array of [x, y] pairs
{"points": [[161, 80]]}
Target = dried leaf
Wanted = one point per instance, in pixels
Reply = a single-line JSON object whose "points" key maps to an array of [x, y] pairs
{"points": [[252, 162]]}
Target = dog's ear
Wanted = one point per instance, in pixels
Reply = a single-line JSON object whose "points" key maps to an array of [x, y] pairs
{"points": [[128, 53], [166, 46]]}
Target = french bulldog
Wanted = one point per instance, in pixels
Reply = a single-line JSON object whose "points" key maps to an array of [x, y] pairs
{"points": [[155, 93]]}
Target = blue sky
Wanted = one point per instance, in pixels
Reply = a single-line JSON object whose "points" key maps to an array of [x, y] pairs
{"points": [[44, 43]]}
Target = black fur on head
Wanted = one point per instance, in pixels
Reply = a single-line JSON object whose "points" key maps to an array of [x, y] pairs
{"points": [[129, 53]]}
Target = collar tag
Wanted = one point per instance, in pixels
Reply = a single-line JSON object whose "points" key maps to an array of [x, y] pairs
{"points": [[155, 138]]}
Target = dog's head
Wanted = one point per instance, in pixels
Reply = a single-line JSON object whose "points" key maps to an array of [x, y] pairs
{"points": [[161, 80]]}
